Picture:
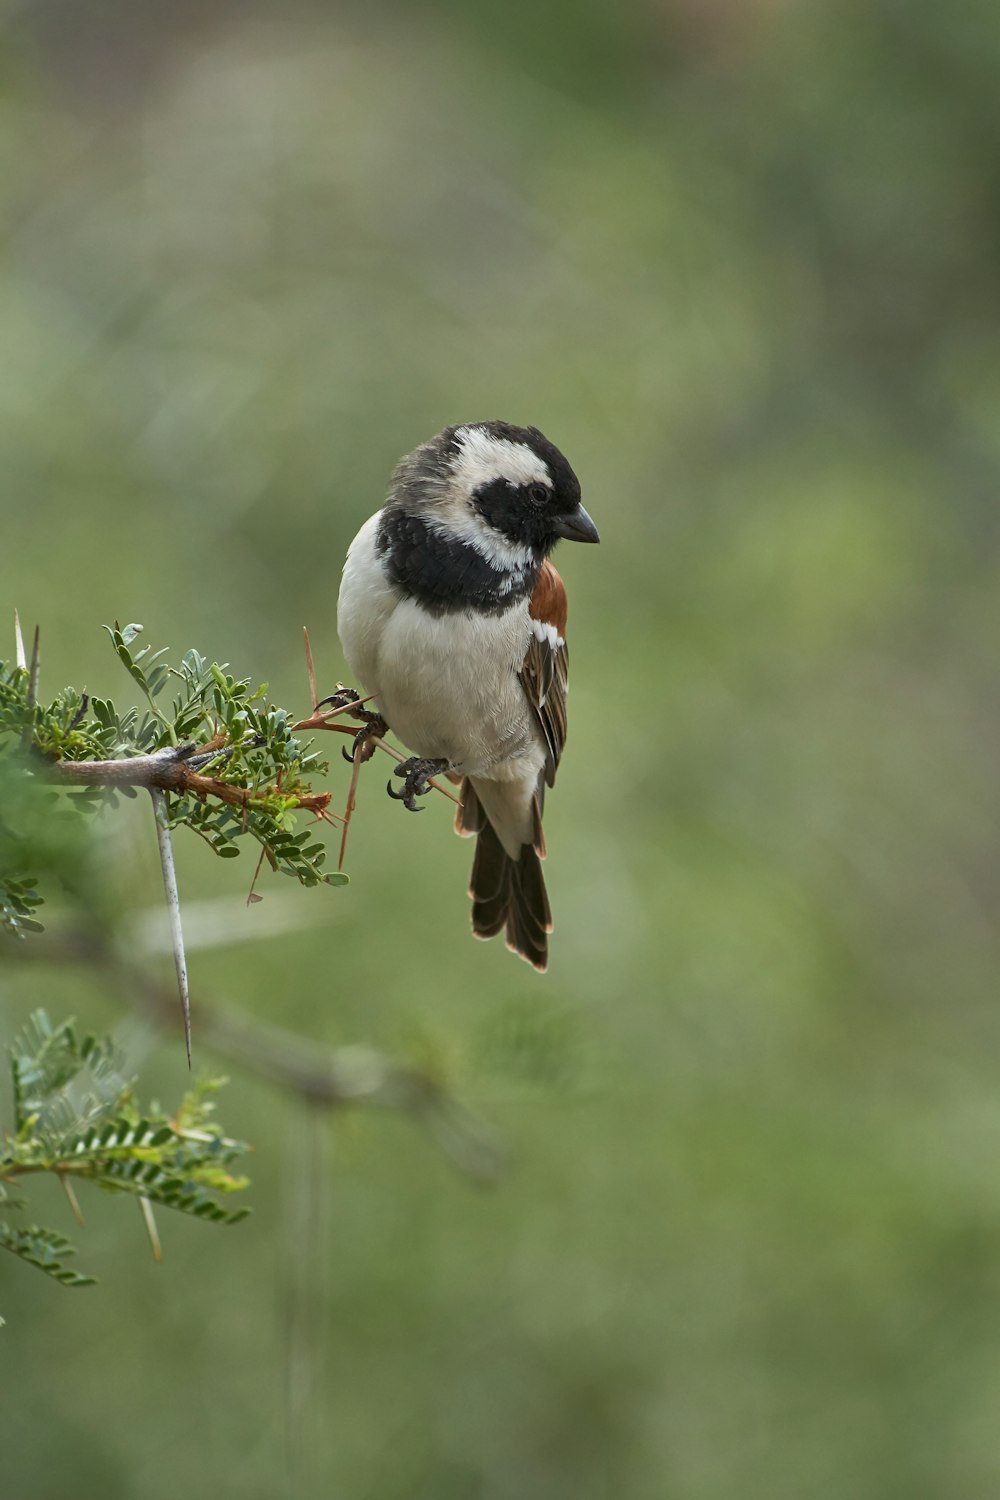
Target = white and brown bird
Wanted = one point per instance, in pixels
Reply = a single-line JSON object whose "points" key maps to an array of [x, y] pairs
{"points": [[452, 616]]}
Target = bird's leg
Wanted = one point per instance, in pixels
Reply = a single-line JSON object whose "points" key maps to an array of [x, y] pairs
{"points": [[415, 773], [373, 724], [374, 728]]}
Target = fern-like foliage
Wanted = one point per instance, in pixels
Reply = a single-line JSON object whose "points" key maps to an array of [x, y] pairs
{"points": [[75, 1115], [19, 897], [45, 1249], [254, 773]]}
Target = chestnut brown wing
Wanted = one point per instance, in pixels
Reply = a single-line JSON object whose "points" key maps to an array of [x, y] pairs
{"points": [[545, 671]]}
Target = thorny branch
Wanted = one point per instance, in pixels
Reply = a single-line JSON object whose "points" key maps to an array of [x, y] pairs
{"points": [[180, 769], [171, 769], [168, 770], [328, 1077]]}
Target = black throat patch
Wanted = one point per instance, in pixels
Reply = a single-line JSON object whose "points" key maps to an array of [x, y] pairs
{"points": [[444, 573]]}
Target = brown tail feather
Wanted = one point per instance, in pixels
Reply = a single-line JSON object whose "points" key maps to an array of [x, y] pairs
{"points": [[509, 893]]}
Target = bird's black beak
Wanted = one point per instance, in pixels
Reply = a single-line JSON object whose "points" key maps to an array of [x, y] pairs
{"points": [[577, 527]]}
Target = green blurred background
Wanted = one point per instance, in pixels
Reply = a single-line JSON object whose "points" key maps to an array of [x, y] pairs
{"points": [[739, 259]]}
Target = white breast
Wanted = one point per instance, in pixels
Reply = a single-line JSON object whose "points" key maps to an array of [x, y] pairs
{"points": [[446, 684], [367, 601]]}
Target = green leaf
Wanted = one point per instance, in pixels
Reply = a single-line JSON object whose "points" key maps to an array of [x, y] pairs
{"points": [[45, 1249]]}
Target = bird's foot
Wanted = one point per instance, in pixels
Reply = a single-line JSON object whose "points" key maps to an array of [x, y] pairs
{"points": [[342, 698], [373, 729], [415, 784], [373, 724]]}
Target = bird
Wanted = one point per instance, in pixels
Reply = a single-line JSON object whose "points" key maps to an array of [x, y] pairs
{"points": [[453, 619]]}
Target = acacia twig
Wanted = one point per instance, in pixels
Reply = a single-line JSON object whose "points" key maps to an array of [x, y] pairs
{"points": [[331, 1077], [169, 770], [351, 801], [310, 669]]}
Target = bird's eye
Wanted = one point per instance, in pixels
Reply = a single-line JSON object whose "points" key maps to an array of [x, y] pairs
{"points": [[538, 494]]}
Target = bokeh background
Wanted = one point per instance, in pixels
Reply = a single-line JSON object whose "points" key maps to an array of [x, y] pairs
{"points": [[739, 260]]}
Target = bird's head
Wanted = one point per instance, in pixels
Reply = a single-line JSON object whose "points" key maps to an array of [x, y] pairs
{"points": [[505, 490]]}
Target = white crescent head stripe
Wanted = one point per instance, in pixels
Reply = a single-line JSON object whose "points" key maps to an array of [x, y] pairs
{"points": [[482, 458]]}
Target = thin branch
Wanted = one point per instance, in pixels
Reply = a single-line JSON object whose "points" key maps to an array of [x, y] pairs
{"points": [[310, 669], [252, 892], [348, 1076], [330, 1077], [166, 849], [304, 1271], [168, 770], [322, 719], [164, 769], [351, 802]]}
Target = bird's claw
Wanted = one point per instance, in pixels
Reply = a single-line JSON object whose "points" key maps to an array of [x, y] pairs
{"points": [[340, 699], [373, 724], [406, 797], [415, 783], [365, 738]]}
